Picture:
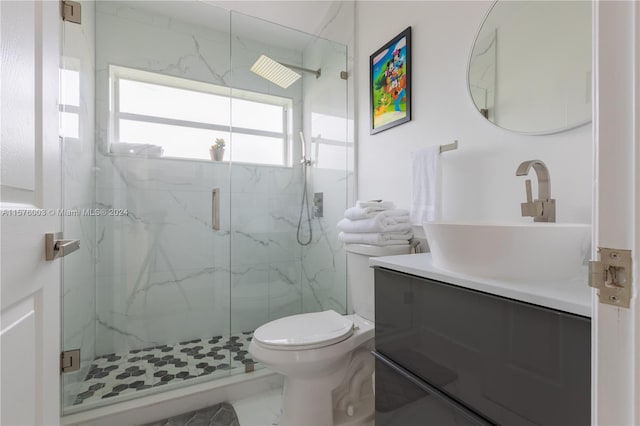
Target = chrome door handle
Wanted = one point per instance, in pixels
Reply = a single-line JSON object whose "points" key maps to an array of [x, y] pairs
{"points": [[215, 209], [55, 246]]}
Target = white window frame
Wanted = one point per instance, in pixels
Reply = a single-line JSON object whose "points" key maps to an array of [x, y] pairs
{"points": [[68, 64], [117, 72]]}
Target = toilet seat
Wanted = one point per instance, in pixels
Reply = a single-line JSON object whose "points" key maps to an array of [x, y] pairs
{"points": [[304, 331]]}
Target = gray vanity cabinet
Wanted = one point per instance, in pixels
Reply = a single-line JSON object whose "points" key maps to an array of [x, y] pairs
{"points": [[449, 355]]}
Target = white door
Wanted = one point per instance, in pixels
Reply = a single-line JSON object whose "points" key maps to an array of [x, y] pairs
{"points": [[616, 343], [30, 193]]}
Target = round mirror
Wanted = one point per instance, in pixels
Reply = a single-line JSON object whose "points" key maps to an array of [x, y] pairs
{"points": [[530, 66]]}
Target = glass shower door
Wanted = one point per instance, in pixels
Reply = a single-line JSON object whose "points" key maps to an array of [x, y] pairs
{"points": [[286, 258], [147, 301], [77, 112], [187, 250]]}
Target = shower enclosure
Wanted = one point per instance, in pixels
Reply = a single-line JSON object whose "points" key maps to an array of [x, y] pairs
{"points": [[182, 256]]}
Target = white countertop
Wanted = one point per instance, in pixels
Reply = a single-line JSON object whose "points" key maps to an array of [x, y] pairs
{"points": [[573, 296]]}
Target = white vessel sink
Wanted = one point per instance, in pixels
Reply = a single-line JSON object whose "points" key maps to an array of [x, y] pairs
{"points": [[523, 252]]}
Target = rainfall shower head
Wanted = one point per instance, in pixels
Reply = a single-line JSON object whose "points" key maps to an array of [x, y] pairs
{"points": [[275, 72], [279, 73]]}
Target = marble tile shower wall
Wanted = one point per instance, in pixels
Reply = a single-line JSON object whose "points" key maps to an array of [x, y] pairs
{"points": [[163, 274], [325, 112], [265, 257], [78, 192], [324, 268]]}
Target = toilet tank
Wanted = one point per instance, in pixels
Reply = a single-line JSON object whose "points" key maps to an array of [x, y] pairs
{"points": [[360, 275]]}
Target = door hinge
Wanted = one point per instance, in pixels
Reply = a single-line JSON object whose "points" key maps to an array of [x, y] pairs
{"points": [[71, 11], [611, 275], [70, 360]]}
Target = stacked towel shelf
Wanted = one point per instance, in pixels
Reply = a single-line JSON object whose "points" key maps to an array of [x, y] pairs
{"points": [[377, 223]]}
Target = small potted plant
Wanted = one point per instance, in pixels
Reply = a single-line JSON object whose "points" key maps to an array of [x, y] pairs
{"points": [[217, 150]]}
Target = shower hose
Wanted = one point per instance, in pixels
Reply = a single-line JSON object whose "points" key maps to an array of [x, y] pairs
{"points": [[304, 203]]}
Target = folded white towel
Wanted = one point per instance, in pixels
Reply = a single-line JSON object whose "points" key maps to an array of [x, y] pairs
{"points": [[376, 204], [137, 149], [381, 222], [426, 185], [358, 213], [376, 239]]}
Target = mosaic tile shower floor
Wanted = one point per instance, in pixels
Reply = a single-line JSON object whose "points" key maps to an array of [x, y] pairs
{"points": [[140, 369]]}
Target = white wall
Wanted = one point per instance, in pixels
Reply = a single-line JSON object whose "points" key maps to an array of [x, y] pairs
{"points": [[479, 181]]}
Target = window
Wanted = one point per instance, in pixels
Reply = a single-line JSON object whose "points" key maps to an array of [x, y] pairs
{"points": [[69, 106], [184, 117]]}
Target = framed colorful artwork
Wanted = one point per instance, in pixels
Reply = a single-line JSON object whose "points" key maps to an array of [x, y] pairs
{"points": [[390, 83]]}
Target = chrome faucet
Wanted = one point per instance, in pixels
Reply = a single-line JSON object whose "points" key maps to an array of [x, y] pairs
{"points": [[542, 209]]}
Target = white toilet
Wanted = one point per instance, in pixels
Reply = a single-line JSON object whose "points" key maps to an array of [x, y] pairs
{"points": [[324, 356]]}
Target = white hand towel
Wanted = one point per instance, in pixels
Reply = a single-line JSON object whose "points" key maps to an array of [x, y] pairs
{"points": [[381, 222], [426, 185], [376, 204], [376, 239], [357, 213], [399, 219]]}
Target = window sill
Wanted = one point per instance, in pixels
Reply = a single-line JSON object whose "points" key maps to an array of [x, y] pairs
{"points": [[197, 160]]}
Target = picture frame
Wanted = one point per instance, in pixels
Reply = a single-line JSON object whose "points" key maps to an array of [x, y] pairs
{"points": [[390, 83]]}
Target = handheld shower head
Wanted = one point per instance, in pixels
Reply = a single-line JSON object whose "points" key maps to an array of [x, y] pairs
{"points": [[304, 202], [304, 150]]}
